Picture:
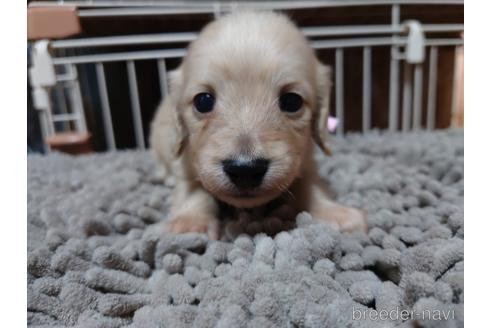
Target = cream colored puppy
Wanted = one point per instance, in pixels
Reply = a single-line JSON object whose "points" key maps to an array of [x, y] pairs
{"points": [[245, 109]]}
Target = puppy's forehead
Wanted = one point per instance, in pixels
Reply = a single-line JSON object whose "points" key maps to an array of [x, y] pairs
{"points": [[251, 45]]}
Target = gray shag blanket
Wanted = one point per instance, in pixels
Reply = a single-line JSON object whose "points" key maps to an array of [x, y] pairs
{"points": [[98, 256]]}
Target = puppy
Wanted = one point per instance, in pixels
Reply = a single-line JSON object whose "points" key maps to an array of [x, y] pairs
{"points": [[245, 109]]}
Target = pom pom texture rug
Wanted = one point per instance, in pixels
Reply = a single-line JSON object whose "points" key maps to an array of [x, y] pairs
{"points": [[98, 255]]}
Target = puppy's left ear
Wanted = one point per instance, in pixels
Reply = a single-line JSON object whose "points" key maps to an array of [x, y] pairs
{"points": [[180, 130], [319, 122]]}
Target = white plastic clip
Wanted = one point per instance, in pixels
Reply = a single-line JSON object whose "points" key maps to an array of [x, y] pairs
{"points": [[41, 98], [42, 74], [415, 49], [42, 71]]}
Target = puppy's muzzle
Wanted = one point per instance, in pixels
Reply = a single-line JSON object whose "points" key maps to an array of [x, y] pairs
{"points": [[245, 173]]}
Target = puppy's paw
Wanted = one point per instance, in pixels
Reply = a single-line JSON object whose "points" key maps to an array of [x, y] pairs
{"points": [[345, 219], [197, 223]]}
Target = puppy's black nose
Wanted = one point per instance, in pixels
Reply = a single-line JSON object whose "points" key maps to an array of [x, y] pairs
{"points": [[245, 173]]}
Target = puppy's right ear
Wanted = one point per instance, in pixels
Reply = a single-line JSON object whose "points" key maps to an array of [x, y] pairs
{"points": [[320, 120], [181, 132]]}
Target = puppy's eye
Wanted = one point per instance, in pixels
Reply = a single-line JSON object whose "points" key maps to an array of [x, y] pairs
{"points": [[290, 102], [204, 102]]}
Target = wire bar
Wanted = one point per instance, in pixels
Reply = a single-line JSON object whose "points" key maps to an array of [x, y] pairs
{"points": [[106, 110], [339, 90], [417, 97], [431, 98], [366, 90], [136, 111]]}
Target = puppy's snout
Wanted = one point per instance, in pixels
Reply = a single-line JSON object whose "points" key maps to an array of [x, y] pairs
{"points": [[246, 173]]}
